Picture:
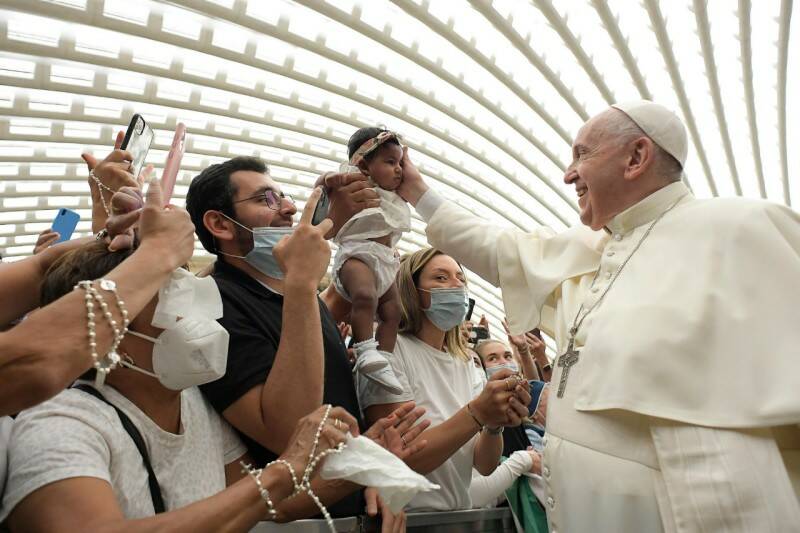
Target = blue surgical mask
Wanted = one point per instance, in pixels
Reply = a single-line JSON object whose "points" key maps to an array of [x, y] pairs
{"points": [[448, 307], [492, 370], [264, 241]]}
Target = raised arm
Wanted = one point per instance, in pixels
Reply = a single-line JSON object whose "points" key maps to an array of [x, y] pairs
{"points": [[268, 413], [107, 177], [452, 229], [20, 281], [49, 349]]}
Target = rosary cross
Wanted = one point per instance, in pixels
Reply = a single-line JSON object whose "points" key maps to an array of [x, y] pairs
{"points": [[566, 361]]}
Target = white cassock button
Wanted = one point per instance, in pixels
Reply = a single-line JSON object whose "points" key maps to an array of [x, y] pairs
{"points": [[546, 472], [551, 503], [595, 289], [608, 275], [544, 440], [617, 237], [610, 254]]}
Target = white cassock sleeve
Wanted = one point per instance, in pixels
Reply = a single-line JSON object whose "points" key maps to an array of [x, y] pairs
{"points": [[527, 266], [487, 490], [720, 480], [470, 240]]}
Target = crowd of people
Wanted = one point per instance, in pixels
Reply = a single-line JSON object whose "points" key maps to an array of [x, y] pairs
{"points": [[161, 384], [139, 396]]}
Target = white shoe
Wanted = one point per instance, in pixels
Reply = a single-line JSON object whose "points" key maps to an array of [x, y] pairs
{"points": [[370, 359], [374, 365], [384, 377]]}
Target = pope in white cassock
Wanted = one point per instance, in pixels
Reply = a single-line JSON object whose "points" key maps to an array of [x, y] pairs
{"points": [[675, 400]]}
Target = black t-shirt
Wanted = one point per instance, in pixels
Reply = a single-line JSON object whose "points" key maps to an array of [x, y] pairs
{"points": [[252, 315]]}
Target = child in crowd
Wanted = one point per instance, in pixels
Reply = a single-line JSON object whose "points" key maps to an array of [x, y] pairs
{"points": [[366, 263]]}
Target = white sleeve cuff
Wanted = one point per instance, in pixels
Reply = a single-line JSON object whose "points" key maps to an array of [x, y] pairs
{"points": [[520, 462], [428, 204]]}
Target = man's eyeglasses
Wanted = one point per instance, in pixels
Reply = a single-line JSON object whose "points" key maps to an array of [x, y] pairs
{"points": [[270, 197]]}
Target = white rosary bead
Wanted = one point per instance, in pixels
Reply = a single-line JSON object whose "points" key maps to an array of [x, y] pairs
{"points": [[111, 359]]}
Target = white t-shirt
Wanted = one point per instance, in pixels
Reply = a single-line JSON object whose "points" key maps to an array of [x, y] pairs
{"points": [[442, 385], [6, 423], [77, 435]]}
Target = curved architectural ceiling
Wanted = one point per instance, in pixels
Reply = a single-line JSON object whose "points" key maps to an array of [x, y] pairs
{"points": [[487, 94]]}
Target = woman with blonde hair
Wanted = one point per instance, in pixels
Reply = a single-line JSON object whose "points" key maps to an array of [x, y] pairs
{"points": [[431, 362]]}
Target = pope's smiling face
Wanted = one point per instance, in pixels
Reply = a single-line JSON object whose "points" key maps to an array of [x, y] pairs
{"points": [[597, 171]]}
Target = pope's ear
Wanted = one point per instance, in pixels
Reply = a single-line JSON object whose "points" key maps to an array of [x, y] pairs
{"points": [[639, 158]]}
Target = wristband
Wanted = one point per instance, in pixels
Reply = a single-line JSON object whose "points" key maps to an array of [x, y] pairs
{"points": [[469, 410]]}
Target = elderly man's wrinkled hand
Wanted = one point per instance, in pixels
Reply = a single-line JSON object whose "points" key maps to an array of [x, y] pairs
{"points": [[413, 186]]}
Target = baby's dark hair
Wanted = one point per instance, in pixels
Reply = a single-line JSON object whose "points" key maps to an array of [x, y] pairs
{"points": [[363, 135]]}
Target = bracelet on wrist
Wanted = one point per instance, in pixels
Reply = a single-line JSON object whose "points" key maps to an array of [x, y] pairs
{"points": [[475, 418], [100, 188], [255, 473]]}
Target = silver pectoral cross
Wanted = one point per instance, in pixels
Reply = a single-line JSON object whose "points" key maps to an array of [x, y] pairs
{"points": [[566, 360]]}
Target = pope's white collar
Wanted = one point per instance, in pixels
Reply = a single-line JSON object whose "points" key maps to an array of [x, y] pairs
{"points": [[647, 209]]}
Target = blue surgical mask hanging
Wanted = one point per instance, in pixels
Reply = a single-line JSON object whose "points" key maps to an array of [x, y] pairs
{"points": [[448, 307], [264, 241]]}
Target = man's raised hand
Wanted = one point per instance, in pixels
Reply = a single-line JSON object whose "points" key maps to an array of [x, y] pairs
{"points": [[304, 255]]}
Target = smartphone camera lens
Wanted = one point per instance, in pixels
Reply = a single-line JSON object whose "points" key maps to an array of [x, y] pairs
{"points": [[139, 127]]}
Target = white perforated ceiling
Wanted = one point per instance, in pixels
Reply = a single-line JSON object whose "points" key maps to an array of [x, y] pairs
{"points": [[487, 94]]}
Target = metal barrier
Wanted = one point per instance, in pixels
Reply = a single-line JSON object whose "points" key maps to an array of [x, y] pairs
{"points": [[342, 525], [473, 521]]}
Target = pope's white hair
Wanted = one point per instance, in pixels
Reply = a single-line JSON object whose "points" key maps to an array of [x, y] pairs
{"points": [[619, 126]]}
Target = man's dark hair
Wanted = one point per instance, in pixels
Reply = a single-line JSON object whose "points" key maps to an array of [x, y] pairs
{"points": [[212, 190], [363, 135]]}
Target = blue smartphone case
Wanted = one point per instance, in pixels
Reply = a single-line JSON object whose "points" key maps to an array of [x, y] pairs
{"points": [[65, 222]]}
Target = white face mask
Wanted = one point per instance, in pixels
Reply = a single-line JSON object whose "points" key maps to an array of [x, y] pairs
{"points": [[184, 295], [492, 370], [193, 352]]}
